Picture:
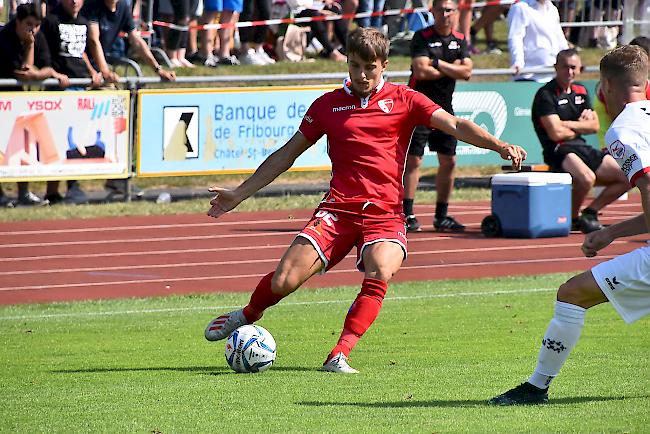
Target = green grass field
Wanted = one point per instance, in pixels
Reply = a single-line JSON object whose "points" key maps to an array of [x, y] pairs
{"points": [[437, 352]]}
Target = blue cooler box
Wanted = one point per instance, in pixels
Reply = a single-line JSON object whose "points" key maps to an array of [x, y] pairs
{"points": [[532, 204]]}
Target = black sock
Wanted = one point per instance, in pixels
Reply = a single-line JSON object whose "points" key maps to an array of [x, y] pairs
{"points": [[590, 211], [441, 210], [408, 206]]}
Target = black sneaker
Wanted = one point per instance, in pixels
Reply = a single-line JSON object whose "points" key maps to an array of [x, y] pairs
{"points": [[447, 223], [586, 223], [412, 224], [76, 196], [54, 198], [524, 394], [5, 202]]}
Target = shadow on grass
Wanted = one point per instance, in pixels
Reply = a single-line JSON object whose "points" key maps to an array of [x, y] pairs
{"points": [[205, 370], [463, 403]]}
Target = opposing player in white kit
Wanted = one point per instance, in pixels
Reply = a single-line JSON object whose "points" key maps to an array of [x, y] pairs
{"points": [[625, 280]]}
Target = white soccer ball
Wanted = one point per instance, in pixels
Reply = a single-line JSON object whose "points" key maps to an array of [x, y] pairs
{"points": [[250, 348]]}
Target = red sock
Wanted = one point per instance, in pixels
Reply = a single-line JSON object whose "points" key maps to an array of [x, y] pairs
{"points": [[261, 299], [361, 315]]}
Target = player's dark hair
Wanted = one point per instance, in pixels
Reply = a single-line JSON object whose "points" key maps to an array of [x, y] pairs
{"points": [[28, 10], [643, 42], [368, 43], [437, 2], [627, 64]]}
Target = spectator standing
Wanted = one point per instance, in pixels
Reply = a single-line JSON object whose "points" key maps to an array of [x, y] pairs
{"points": [[368, 123], [534, 38], [26, 57], [252, 38], [370, 6], [439, 57], [562, 113], [624, 280], [66, 33], [177, 39]]}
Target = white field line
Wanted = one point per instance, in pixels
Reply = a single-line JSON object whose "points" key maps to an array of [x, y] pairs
{"points": [[275, 260], [175, 251], [258, 275], [283, 304]]}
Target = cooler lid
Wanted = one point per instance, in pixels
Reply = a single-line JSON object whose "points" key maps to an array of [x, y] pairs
{"points": [[531, 178]]}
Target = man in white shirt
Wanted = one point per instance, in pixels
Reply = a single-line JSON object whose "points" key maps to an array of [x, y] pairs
{"points": [[624, 281], [534, 38]]}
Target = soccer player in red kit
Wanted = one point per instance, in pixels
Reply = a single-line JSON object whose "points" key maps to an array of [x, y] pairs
{"points": [[368, 123]]}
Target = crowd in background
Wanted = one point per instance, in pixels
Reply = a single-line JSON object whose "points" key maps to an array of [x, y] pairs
{"points": [[73, 39]]}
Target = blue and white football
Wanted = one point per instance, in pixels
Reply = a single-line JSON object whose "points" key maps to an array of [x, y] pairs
{"points": [[250, 348]]}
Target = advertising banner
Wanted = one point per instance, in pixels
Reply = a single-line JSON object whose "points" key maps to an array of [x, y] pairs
{"points": [[207, 131], [64, 135], [503, 109]]}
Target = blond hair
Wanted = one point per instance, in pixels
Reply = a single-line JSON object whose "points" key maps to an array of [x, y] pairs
{"points": [[627, 66]]}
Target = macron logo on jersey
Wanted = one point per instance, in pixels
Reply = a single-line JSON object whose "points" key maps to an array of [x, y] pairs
{"points": [[386, 105], [343, 108]]}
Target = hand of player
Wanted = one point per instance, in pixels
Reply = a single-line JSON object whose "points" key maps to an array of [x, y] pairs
{"points": [[110, 76], [596, 241], [516, 70], [514, 153], [223, 201], [96, 80], [64, 81], [167, 75]]}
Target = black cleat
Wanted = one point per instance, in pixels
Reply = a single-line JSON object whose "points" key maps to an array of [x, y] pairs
{"points": [[447, 223], [586, 223], [524, 394], [412, 224]]}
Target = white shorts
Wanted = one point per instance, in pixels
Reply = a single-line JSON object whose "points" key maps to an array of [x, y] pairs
{"points": [[625, 281]]}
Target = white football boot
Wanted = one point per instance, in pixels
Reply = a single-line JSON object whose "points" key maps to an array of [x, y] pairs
{"points": [[339, 364], [221, 327]]}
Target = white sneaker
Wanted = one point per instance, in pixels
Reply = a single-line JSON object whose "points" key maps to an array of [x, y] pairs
{"points": [[251, 58], [264, 56], [221, 327], [176, 63], [339, 364], [211, 61]]}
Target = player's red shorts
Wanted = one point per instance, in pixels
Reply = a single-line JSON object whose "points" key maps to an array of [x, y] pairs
{"points": [[334, 234]]}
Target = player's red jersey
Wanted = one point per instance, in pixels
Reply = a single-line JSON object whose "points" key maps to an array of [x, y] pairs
{"points": [[367, 143]]}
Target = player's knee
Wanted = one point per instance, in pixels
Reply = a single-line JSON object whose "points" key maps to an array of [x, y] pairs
{"points": [[572, 292], [284, 283], [584, 180], [381, 273]]}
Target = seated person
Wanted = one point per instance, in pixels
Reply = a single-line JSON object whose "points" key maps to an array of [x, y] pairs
{"points": [[561, 114], [309, 8]]}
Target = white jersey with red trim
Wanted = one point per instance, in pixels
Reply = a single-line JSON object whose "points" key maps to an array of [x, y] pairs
{"points": [[628, 139], [367, 143]]}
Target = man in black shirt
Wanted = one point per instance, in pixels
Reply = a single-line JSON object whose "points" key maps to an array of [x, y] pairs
{"points": [[561, 114], [439, 57], [66, 32], [26, 57]]}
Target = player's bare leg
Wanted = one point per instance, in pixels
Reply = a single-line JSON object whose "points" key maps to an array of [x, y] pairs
{"points": [[573, 299], [411, 179], [381, 261], [299, 263]]}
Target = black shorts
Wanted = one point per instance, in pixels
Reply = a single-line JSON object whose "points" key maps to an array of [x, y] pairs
{"points": [[592, 157], [440, 142]]}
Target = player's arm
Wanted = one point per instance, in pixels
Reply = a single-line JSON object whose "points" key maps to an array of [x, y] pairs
{"points": [[423, 68], [275, 164], [556, 129], [640, 224], [588, 123], [460, 69], [469, 132]]}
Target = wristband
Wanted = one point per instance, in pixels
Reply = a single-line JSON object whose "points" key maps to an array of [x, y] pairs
{"points": [[158, 68]]}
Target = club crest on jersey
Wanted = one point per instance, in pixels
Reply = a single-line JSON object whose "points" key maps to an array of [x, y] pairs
{"points": [[453, 45], [309, 119], [617, 149], [386, 105], [579, 99]]}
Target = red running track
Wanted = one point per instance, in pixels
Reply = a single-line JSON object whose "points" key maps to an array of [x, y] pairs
{"points": [[48, 261]]}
